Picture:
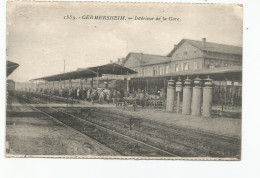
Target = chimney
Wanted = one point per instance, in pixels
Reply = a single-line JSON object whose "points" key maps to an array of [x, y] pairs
{"points": [[118, 60], [111, 61], [203, 42]]}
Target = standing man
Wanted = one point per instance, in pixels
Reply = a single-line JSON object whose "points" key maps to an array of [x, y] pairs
{"points": [[78, 90], [101, 97]]}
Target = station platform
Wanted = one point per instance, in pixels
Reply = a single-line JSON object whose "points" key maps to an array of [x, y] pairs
{"points": [[37, 134], [226, 126]]}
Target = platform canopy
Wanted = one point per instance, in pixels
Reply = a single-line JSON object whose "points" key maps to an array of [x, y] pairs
{"points": [[234, 72], [112, 69], [10, 67]]}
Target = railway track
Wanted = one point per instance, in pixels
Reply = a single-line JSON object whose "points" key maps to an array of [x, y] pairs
{"points": [[120, 143], [198, 143]]}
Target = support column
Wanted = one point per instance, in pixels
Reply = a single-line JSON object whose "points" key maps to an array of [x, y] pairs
{"points": [[170, 96], [207, 98], [36, 85], [97, 80], [60, 84], [178, 90], [70, 84], [91, 83], [127, 83], [81, 85], [196, 98], [186, 108], [147, 86], [86, 82]]}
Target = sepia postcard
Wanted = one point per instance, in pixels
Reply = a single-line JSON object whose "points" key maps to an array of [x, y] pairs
{"points": [[124, 80]]}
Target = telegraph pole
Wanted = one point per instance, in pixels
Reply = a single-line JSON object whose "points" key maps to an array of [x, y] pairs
{"points": [[64, 66]]}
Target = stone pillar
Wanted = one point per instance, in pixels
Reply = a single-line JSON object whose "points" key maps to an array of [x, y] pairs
{"points": [[186, 108], [207, 98], [170, 96], [178, 91], [196, 98]]}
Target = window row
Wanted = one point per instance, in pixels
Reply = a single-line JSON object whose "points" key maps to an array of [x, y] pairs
{"points": [[187, 66], [152, 70]]}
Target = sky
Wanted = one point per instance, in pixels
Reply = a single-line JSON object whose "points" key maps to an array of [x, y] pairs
{"points": [[39, 39]]}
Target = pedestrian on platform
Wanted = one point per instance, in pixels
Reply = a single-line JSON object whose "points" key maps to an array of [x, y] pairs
{"points": [[92, 97], [70, 92], [78, 90], [114, 96], [101, 97], [88, 94], [108, 96]]}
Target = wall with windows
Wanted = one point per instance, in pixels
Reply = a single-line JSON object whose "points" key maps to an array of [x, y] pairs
{"points": [[186, 57], [217, 63], [155, 70], [185, 65], [233, 57], [186, 51], [151, 70]]}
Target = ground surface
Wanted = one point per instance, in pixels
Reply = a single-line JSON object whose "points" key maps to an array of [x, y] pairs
{"points": [[31, 133], [43, 136], [218, 125]]}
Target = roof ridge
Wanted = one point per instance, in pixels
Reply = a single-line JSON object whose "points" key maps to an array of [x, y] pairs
{"points": [[213, 43], [148, 54]]}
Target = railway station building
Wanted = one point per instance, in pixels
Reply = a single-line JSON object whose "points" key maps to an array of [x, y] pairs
{"points": [[185, 56], [191, 63], [191, 59]]}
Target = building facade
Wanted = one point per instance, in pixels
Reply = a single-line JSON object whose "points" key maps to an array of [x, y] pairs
{"points": [[193, 58], [194, 55], [147, 64], [185, 56]]}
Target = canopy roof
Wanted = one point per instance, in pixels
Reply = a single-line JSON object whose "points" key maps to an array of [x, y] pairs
{"points": [[113, 69], [216, 73], [11, 66]]}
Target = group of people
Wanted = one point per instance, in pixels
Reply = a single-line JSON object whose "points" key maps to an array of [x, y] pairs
{"points": [[88, 94], [143, 94], [100, 95]]}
